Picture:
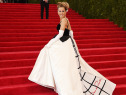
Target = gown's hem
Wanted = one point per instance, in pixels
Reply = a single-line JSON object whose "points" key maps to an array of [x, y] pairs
{"points": [[114, 88], [48, 86]]}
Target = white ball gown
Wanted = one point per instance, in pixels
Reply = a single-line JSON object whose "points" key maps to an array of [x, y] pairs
{"points": [[62, 68]]}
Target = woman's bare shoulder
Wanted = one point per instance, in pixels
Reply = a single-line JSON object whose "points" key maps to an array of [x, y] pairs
{"points": [[64, 20]]}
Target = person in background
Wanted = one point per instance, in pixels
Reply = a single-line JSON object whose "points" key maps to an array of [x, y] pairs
{"points": [[9, 1], [23, 1], [44, 3]]}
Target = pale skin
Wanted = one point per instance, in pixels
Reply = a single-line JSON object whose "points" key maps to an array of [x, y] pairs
{"points": [[46, 1], [62, 14]]}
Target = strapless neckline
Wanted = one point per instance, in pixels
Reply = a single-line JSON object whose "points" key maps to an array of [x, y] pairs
{"points": [[65, 28]]}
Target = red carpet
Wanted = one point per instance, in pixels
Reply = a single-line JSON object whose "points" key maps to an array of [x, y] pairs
{"points": [[23, 34]]}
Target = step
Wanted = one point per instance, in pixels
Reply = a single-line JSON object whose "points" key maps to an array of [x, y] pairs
{"points": [[109, 24], [52, 20], [23, 89], [31, 62], [22, 4], [43, 33], [14, 80], [26, 6], [34, 54], [107, 57], [35, 13], [116, 79], [120, 90], [91, 41], [100, 51], [27, 70], [56, 22], [32, 89], [3, 17], [101, 45], [80, 46], [23, 79], [106, 64], [54, 10], [79, 41], [29, 43], [81, 31], [53, 15], [20, 62], [36, 43], [46, 35], [47, 38], [53, 26]]}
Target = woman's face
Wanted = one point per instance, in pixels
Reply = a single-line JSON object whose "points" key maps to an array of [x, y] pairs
{"points": [[61, 12]]}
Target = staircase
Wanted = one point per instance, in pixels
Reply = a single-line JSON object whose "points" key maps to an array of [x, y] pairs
{"points": [[23, 34]]}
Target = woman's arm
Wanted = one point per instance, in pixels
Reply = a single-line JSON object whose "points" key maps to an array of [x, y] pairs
{"points": [[61, 32], [71, 31]]}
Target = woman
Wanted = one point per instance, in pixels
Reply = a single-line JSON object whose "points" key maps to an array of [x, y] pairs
{"points": [[60, 66]]}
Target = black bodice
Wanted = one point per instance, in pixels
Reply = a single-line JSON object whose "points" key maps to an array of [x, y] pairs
{"points": [[65, 35], [66, 31]]}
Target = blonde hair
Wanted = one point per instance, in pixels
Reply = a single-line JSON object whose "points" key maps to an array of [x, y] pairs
{"points": [[63, 4]]}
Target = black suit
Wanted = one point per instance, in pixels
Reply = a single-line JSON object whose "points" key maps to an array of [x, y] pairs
{"points": [[46, 5], [23, 1]]}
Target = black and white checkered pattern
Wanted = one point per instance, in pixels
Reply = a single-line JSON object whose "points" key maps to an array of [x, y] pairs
{"points": [[92, 85]]}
